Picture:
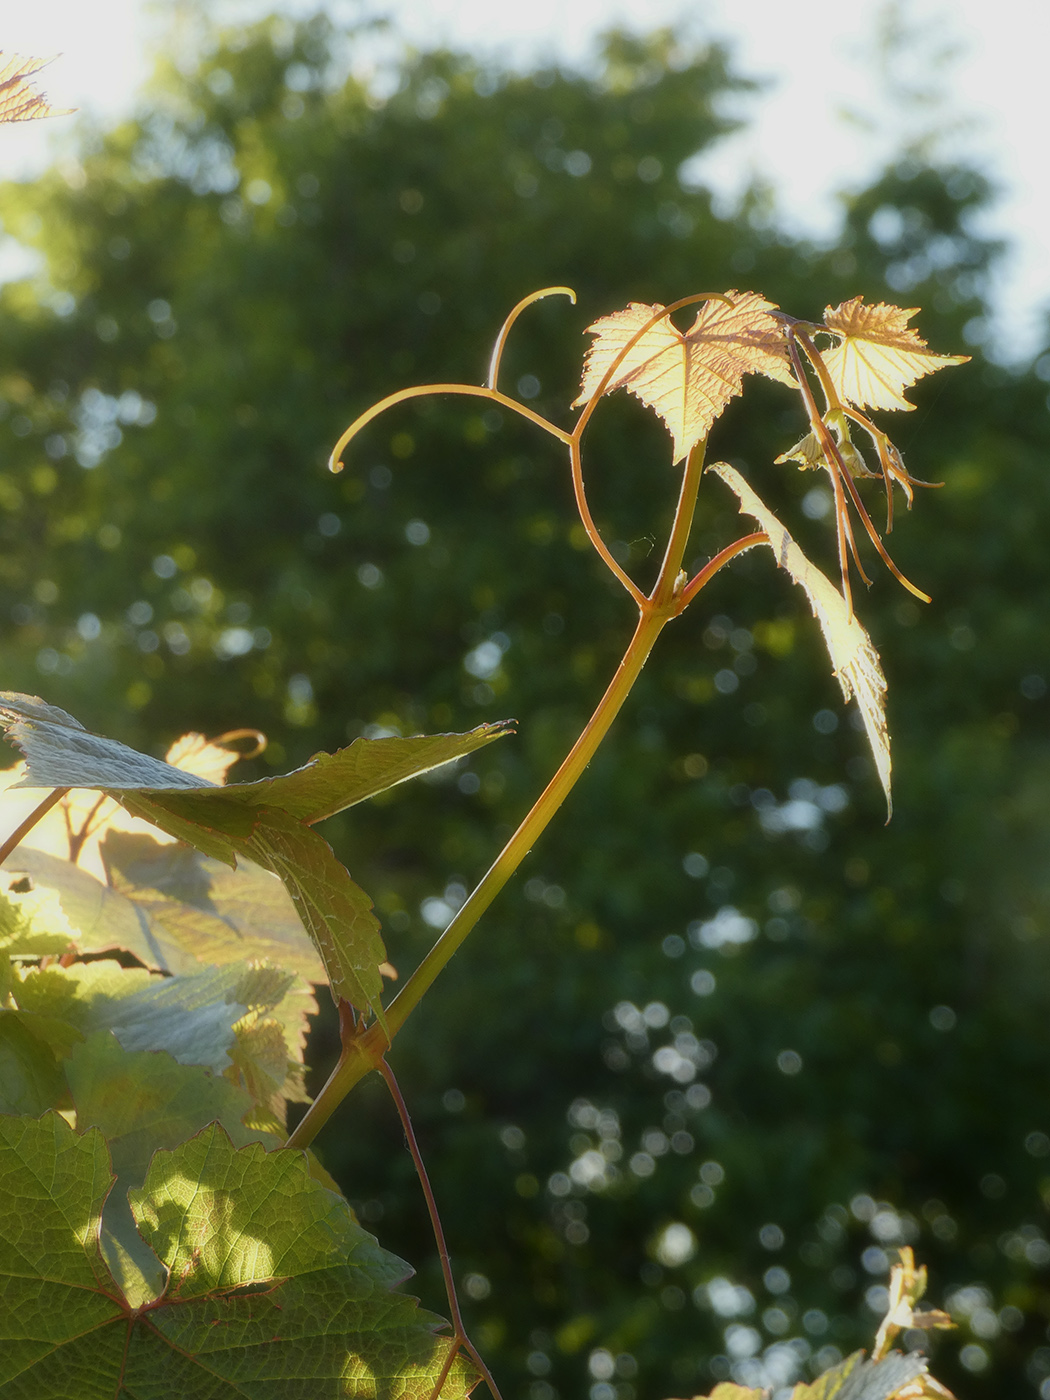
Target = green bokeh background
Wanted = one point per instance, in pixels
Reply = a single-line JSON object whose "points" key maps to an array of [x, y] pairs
{"points": [[230, 278]]}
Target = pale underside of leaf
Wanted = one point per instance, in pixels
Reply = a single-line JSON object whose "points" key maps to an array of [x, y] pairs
{"points": [[60, 752], [173, 909], [224, 822], [854, 660], [687, 378], [858, 1379], [19, 99], [878, 356]]}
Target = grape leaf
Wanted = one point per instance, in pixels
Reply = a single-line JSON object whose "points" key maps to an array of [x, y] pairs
{"points": [[171, 907], [194, 753], [102, 919], [331, 782], [335, 912], [687, 378], [878, 355], [60, 752], [852, 1379], [142, 1101], [226, 821], [201, 911], [52, 1277], [19, 99], [853, 658], [30, 1077], [857, 1379], [247, 1021], [272, 1286], [33, 923]]}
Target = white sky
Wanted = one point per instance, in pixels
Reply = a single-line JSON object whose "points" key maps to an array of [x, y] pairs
{"points": [[816, 54]]}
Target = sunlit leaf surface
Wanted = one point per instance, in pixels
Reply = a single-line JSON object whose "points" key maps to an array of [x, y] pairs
{"points": [[269, 1286], [878, 355], [854, 659], [687, 378], [19, 99], [227, 822]]}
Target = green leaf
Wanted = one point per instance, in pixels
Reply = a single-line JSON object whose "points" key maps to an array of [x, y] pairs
{"points": [[174, 908], [245, 1020], [335, 911], [143, 1101], [226, 821], [60, 752], [331, 782], [32, 923], [102, 918], [54, 1303], [30, 1077], [272, 1288], [199, 910]]}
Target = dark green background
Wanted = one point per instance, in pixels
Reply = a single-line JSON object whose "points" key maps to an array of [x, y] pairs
{"points": [[380, 245]]}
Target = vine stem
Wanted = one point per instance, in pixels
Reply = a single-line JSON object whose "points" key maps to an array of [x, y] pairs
{"points": [[459, 1331], [24, 828], [364, 1051]]}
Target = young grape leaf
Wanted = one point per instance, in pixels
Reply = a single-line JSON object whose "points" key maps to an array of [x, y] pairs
{"points": [[687, 378], [726, 1390], [195, 753], [853, 658], [271, 1285], [878, 355], [19, 99]]}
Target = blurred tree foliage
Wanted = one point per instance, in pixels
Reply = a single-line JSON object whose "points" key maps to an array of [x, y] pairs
{"points": [[729, 1039]]}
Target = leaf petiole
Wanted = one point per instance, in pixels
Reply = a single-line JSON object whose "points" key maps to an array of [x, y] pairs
{"points": [[25, 827]]}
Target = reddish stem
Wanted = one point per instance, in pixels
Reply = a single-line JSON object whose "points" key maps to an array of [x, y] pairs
{"points": [[459, 1333]]}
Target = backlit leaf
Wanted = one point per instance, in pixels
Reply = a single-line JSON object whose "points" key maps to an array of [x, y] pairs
{"points": [[19, 99], [687, 378], [60, 752], [201, 911], [224, 822], [32, 922], [878, 355], [335, 911], [853, 658], [173, 908], [331, 782], [143, 1101], [260, 1298]]}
